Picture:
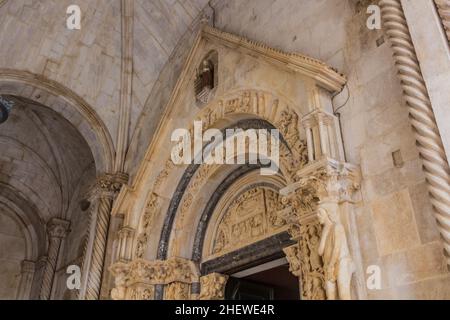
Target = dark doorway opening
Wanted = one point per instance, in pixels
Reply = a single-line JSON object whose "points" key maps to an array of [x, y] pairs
{"points": [[259, 283]]}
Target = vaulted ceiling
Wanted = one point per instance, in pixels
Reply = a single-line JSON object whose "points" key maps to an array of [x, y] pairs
{"points": [[89, 62]]}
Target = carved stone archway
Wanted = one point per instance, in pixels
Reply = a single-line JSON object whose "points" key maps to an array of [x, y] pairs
{"points": [[177, 197]]}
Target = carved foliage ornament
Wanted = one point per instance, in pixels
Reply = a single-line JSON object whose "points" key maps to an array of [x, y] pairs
{"points": [[151, 211]]}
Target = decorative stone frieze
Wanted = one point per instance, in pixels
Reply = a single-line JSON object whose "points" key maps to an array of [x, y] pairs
{"points": [[142, 273]]}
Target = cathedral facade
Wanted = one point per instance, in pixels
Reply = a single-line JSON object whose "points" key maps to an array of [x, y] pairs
{"points": [[224, 149]]}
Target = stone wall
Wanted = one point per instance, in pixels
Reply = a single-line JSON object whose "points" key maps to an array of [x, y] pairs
{"points": [[396, 225]]}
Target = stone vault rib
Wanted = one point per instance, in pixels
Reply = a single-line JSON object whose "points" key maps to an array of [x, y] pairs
{"points": [[421, 116]]}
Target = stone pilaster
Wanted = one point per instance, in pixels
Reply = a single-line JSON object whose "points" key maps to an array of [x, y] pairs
{"points": [[57, 230]]}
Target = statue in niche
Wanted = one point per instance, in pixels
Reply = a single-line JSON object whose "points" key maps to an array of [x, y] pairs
{"points": [[207, 74], [338, 264], [204, 82]]}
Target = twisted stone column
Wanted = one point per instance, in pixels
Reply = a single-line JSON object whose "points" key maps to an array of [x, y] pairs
{"points": [[422, 119], [443, 7], [57, 230], [108, 187]]}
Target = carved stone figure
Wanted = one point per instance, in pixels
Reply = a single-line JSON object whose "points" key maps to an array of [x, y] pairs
{"points": [[204, 82], [250, 216], [213, 286], [312, 273], [177, 291], [338, 264]]}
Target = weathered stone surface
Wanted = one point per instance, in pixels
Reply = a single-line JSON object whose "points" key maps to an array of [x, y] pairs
{"points": [[50, 158]]}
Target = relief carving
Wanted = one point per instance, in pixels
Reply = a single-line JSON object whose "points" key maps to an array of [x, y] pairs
{"points": [[251, 216], [162, 271], [312, 273], [213, 286], [177, 291], [136, 280], [151, 211], [142, 293]]}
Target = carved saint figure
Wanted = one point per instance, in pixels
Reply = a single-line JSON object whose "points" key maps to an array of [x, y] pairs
{"points": [[207, 74], [338, 264]]}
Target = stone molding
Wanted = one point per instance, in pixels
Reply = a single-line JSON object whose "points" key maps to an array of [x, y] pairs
{"points": [[326, 76]]}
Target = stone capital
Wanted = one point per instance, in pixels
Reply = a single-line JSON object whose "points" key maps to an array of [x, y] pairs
{"points": [[325, 183], [108, 185], [325, 180], [58, 228]]}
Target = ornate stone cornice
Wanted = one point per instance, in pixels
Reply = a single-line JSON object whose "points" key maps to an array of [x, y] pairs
{"points": [[325, 76]]}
